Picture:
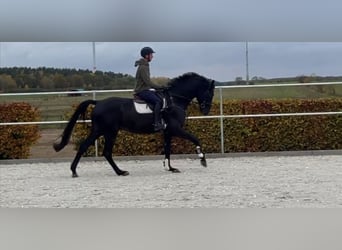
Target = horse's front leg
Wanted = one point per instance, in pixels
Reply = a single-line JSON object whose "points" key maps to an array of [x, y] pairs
{"points": [[186, 135], [201, 155], [167, 152]]}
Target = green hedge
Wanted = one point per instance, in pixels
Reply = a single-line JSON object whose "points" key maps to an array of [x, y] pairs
{"points": [[244, 134], [321, 132], [16, 140]]}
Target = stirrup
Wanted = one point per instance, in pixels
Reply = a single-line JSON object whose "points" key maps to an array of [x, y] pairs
{"points": [[159, 126]]}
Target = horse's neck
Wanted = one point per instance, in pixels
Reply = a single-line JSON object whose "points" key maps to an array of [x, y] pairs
{"points": [[183, 94], [180, 101]]}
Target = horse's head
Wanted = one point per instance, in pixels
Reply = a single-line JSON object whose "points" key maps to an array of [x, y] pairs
{"points": [[191, 85], [205, 95]]}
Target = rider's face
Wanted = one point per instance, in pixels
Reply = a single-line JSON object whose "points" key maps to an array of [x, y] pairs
{"points": [[149, 57]]}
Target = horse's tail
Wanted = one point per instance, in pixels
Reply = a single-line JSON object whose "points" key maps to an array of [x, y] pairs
{"points": [[81, 109]]}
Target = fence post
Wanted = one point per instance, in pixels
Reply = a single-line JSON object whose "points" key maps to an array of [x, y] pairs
{"points": [[96, 143], [221, 122]]}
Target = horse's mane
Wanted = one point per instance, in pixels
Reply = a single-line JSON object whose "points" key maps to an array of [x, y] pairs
{"points": [[174, 81]]}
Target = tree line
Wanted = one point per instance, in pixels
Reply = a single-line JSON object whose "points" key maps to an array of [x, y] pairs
{"points": [[46, 79], [22, 79]]}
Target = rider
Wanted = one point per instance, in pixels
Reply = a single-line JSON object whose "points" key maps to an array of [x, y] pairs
{"points": [[145, 88]]}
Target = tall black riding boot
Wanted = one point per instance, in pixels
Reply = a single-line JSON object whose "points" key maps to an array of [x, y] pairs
{"points": [[158, 123]]}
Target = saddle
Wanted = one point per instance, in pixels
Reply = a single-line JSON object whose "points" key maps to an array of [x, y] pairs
{"points": [[143, 107]]}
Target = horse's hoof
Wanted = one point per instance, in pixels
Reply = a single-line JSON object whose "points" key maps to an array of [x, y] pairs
{"points": [[175, 170], [124, 173], [57, 147], [204, 162]]}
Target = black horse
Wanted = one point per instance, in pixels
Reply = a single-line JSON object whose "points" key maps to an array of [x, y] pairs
{"points": [[112, 114]]}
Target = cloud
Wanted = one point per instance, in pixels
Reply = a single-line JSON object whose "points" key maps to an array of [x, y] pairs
{"points": [[218, 60]]}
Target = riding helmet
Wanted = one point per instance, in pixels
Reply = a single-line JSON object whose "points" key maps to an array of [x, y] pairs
{"points": [[146, 51]]}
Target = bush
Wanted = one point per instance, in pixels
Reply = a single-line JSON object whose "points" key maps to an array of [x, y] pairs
{"points": [[16, 140], [243, 134], [285, 133]]}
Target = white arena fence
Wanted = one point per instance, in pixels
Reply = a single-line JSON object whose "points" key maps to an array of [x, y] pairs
{"points": [[221, 117]]}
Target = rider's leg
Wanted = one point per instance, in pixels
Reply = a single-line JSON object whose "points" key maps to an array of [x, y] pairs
{"points": [[151, 97], [158, 124]]}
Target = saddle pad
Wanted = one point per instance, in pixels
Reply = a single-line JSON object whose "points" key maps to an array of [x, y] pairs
{"points": [[142, 108]]}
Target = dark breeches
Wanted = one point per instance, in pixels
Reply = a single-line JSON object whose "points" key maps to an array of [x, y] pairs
{"points": [[150, 97]]}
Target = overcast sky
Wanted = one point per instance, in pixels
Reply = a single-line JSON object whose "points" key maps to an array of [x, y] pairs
{"points": [[204, 36], [221, 61]]}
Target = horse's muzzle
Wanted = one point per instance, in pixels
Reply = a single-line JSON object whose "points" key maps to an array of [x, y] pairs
{"points": [[204, 108]]}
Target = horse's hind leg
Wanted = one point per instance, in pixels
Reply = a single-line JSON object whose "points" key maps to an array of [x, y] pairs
{"points": [[83, 148], [107, 153]]}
